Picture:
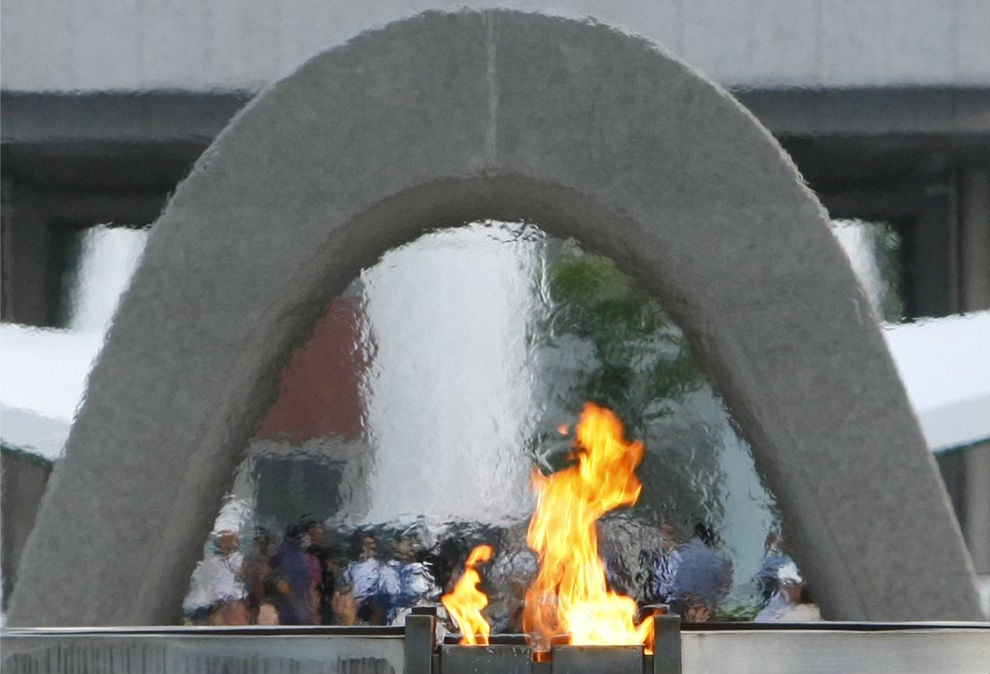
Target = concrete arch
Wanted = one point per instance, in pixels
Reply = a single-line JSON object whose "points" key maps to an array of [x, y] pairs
{"points": [[433, 121]]}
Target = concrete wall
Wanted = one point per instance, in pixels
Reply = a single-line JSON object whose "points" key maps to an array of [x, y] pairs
{"points": [[180, 651], [974, 291], [244, 44], [918, 650], [23, 478]]}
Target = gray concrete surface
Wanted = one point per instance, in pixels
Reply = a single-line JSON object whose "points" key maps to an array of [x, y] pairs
{"points": [[839, 649], [22, 482], [200, 650], [590, 133], [60, 45]]}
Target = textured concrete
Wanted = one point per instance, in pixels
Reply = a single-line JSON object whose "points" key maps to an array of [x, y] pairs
{"points": [[435, 121], [22, 482], [200, 650], [920, 649], [59, 45]]}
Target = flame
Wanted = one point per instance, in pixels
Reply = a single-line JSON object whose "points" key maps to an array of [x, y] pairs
{"points": [[570, 595], [466, 601], [569, 601]]}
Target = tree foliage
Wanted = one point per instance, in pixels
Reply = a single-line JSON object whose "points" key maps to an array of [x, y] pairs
{"points": [[643, 360]]}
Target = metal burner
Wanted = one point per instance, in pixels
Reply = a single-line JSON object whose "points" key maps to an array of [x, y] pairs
{"points": [[510, 654]]}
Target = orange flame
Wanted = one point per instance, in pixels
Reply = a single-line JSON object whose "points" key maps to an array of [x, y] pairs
{"points": [[466, 601], [570, 594]]}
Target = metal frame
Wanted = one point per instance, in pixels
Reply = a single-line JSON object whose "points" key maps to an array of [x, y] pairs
{"points": [[730, 648]]}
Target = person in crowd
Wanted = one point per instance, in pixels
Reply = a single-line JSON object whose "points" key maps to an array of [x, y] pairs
{"points": [[516, 566], [295, 577], [257, 571], [415, 582], [373, 584], [775, 556], [327, 586], [218, 594], [702, 577], [665, 564], [343, 605], [659, 566], [791, 600]]}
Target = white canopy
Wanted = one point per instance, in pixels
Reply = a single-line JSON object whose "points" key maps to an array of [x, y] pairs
{"points": [[944, 363], [42, 381], [945, 366]]}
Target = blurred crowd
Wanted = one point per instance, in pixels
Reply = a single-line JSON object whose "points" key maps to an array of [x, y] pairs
{"points": [[302, 578], [690, 576]]}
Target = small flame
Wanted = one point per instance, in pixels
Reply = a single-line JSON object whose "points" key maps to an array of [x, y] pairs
{"points": [[570, 595], [466, 601]]}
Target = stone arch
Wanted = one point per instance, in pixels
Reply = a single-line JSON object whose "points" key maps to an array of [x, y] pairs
{"points": [[436, 120]]}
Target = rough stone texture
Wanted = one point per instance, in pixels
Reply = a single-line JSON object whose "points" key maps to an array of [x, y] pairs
{"points": [[434, 121], [185, 650], [22, 484], [51, 45]]}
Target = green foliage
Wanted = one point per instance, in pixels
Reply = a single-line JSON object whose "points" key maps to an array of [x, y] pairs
{"points": [[737, 613], [887, 249], [26, 455], [642, 357]]}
